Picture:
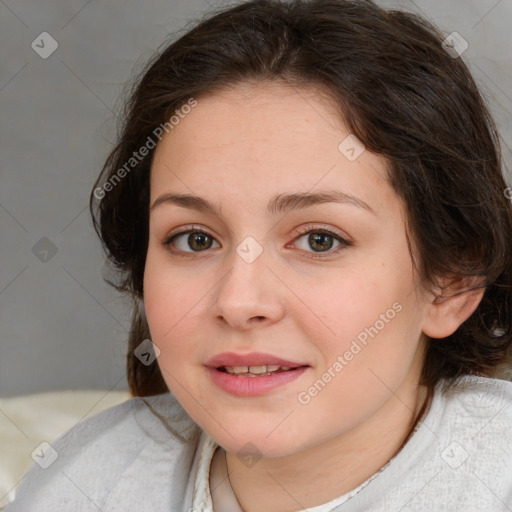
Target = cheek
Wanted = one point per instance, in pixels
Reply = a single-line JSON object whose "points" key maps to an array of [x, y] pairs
{"points": [[171, 307], [172, 302], [343, 306], [364, 364], [366, 324]]}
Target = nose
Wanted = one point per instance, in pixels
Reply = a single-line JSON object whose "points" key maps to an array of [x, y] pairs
{"points": [[249, 295]]}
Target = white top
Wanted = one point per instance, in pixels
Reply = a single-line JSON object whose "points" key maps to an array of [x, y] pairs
{"points": [[147, 454], [218, 496]]}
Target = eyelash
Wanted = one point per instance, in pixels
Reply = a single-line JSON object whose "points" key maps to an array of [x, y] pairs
{"points": [[301, 232]]}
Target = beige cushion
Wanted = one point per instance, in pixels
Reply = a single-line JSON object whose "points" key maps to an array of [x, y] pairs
{"points": [[26, 421]]}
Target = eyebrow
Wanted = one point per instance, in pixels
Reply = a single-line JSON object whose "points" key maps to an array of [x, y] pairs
{"points": [[281, 203]]}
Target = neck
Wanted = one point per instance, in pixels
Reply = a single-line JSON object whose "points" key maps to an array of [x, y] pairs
{"points": [[286, 484]]}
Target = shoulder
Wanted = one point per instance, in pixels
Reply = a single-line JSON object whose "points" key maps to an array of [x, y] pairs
{"points": [[476, 397], [83, 468], [475, 438], [477, 408], [460, 457]]}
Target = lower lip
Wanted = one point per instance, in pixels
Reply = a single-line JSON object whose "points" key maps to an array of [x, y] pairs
{"points": [[252, 386]]}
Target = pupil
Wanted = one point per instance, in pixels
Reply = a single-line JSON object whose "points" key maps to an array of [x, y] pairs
{"points": [[321, 238], [199, 240]]}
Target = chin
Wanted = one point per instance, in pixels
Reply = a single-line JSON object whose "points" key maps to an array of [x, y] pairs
{"points": [[251, 441]]}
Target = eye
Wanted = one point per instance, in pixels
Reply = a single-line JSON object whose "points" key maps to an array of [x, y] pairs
{"points": [[194, 239], [322, 240]]}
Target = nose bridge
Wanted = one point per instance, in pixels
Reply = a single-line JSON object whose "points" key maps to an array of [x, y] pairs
{"points": [[247, 268], [245, 292]]}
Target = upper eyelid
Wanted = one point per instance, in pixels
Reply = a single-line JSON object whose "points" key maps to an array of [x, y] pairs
{"points": [[301, 231], [308, 229]]}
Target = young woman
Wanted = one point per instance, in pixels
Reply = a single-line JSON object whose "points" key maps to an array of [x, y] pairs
{"points": [[307, 206]]}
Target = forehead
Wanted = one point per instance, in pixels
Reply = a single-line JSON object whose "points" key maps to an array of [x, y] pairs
{"points": [[255, 140], [248, 114]]}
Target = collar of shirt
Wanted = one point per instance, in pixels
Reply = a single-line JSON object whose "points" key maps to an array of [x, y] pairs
{"points": [[213, 491]]}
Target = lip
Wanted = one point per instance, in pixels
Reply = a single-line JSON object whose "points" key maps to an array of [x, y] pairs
{"points": [[250, 359], [253, 386]]}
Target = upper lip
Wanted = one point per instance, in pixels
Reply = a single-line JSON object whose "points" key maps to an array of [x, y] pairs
{"points": [[251, 359]]}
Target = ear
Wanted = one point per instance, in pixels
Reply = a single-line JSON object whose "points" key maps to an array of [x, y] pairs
{"points": [[453, 302]]}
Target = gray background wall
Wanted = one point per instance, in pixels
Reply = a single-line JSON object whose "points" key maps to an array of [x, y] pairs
{"points": [[62, 327]]}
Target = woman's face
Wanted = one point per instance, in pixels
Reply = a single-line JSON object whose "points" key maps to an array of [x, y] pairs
{"points": [[301, 257]]}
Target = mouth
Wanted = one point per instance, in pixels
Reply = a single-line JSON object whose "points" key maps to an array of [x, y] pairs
{"points": [[253, 362], [252, 374], [256, 371]]}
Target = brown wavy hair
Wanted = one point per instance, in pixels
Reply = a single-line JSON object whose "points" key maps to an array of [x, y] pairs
{"points": [[399, 91]]}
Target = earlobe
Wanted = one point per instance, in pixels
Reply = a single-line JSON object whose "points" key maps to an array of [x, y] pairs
{"points": [[452, 305]]}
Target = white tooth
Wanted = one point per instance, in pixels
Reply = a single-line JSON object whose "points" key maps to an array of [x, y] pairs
{"points": [[229, 369], [258, 369], [272, 367], [286, 368], [240, 369]]}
